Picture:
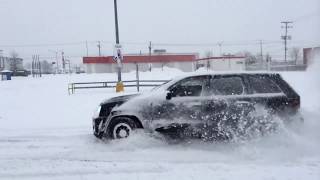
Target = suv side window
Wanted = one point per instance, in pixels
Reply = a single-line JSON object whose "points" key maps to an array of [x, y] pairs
{"points": [[191, 86], [228, 85], [262, 84]]}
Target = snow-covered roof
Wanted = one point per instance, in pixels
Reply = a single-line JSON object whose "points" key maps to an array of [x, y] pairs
{"points": [[194, 74], [226, 73]]}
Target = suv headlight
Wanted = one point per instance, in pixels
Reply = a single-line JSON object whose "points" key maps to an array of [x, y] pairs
{"points": [[97, 112]]}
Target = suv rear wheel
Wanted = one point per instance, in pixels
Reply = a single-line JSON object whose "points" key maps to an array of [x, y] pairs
{"points": [[121, 127]]}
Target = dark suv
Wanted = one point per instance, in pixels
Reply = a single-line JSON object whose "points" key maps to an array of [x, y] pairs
{"points": [[206, 105]]}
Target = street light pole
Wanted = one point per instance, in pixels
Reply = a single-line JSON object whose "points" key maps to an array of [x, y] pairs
{"points": [[119, 87], [116, 21]]}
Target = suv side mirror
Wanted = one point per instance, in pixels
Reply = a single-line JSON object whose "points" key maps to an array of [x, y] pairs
{"points": [[169, 95]]}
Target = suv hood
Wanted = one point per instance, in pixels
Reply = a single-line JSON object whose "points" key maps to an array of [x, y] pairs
{"points": [[123, 98]]}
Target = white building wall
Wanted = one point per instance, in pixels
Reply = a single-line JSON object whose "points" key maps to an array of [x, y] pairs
{"points": [[127, 67], [183, 66], [234, 64], [314, 55], [99, 68]]}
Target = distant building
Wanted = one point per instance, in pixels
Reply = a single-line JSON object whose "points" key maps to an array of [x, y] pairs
{"points": [[106, 64], [310, 54], [223, 63]]}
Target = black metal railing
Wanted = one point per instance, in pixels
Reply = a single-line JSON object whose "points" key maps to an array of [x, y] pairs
{"points": [[112, 84]]}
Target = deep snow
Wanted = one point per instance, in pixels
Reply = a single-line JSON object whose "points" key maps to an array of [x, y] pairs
{"points": [[46, 134]]}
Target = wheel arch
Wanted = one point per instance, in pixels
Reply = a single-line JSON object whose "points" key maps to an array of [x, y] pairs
{"points": [[134, 118]]}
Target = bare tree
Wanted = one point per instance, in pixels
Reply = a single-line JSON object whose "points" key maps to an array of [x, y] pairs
{"points": [[208, 54], [250, 58], [46, 67], [14, 60], [28, 65], [294, 54], [268, 58], [14, 54]]}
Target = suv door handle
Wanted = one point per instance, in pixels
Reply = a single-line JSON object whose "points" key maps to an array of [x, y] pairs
{"points": [[241, 103], [194, 103]]}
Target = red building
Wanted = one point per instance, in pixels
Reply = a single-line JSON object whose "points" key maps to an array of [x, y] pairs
{"points": [[106, 64]]}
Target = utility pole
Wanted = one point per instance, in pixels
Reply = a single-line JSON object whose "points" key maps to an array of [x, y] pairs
{"points": [[99, 47], [87, 48], [286, 37], [150, 53], [63, 62], [220, 47], [150, 48], [119, 86], [116, 22], [261, 53]]}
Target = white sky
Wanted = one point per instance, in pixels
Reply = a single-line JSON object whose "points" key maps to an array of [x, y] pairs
{"points": [[32, 26]]}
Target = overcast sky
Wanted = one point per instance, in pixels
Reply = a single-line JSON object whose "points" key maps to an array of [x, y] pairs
{"points": [[34, 26]]}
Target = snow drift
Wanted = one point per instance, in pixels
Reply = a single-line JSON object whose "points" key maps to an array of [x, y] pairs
{"points": [[46, 134]]}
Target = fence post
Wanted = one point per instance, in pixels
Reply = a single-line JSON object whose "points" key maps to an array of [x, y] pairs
{"points": [[137, 77]]}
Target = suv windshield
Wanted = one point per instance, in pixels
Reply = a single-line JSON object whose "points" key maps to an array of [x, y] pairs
{"points": [[157, 87]]}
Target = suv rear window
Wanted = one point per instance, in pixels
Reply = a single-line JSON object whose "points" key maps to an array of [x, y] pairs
{"points": [[263, 84], [226, 86]]}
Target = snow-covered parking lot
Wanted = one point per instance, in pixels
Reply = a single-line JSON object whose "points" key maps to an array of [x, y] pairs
{"points": [[46, 134]]}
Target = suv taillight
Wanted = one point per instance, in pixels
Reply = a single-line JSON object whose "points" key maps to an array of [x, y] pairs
{"points": [[294, 103]]}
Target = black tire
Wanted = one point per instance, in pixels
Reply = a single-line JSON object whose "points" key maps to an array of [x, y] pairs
{"points": [[121, 127]]}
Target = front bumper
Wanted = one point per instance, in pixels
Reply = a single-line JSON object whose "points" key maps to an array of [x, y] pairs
{"points": [[98, 125]]}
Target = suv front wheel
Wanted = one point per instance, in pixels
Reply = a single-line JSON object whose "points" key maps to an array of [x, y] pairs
{"points": [[121, 127]]}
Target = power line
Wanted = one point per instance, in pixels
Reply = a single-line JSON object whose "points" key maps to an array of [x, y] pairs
{"points": [[42, 45], [307, 16], [52, 44], [99, 47], [86, 43]]}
